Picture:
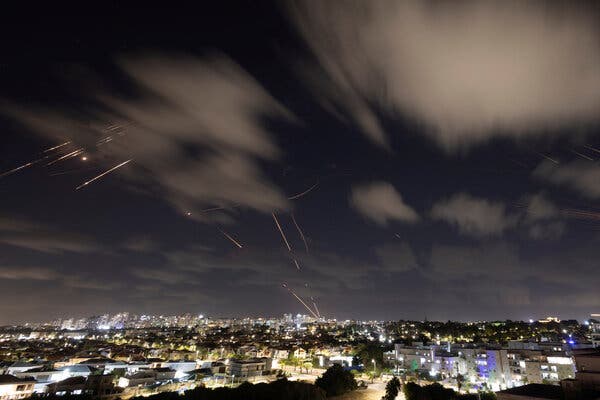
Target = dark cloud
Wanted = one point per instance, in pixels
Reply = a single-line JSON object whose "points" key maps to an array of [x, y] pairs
{"points": [[489, 261], [397, 257], [38, 237]]}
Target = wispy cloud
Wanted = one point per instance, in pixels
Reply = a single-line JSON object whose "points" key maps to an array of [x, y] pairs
{"points": [[27, 273], [540, 208], [195, 130], [581, 176], [381, 202], [474, 216], [39, 237], [466, 70]]}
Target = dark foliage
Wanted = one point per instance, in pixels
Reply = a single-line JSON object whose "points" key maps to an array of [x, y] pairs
{"points": [[435, 391], [392, 389], [281, 389], [336, 381]]}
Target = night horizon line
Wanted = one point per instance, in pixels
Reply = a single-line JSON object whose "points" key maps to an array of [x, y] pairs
{"points": [[311, 319]]}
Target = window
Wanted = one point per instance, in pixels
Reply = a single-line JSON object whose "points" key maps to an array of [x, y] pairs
{"points": [[20, 388]]}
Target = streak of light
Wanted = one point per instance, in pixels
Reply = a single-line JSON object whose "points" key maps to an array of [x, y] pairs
{"points": [[113, 127], [29, 164], [72, 154], [117, 127], [592, 148], [548, 158], [307, 191], [581, 214], [316, 308], [297, 265], [57, 147], [103, 174], [281, 231], [299, 299], [300, 232], [104, 141], [582, 155], [212, 209], [398, 236], [219, 208], [230, 238], [573, 213]]}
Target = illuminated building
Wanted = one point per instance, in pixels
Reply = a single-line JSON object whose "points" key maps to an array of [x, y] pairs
{"points": [[244, 369], [12, 388], [548, 320], [594, 325]]}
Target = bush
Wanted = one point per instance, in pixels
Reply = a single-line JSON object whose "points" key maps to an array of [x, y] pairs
{"points": [[279, 390], [435, 391]]}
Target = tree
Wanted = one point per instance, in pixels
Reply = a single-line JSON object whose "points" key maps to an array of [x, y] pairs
{"points": [[336, 381], [460, 379], [307, 364], [435, 391], [368, 352], [392, 389]]}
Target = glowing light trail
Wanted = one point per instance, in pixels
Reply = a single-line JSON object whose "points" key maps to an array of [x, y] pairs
{"points": [[29, 164], [297, 265], [104, 141], [592, 148], [281, 231], [572, 213], [548, 158], [299, 299], [581, 214], [57, 147], [316, 308], [230, 238], [72, 154], [300, 232], [307, 191], [582, 155], [103, 174]]}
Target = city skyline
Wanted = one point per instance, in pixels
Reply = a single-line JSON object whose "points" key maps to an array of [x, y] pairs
{"points": [[365, 161], [124, 319]]}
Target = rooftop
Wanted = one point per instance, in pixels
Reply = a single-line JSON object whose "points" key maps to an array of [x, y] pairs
{"points": [[8, 379]]}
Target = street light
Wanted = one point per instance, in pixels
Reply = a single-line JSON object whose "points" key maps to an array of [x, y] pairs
{"points": [[232, 378], [374, 366]]}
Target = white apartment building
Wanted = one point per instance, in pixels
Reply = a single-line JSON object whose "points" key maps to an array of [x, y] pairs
{"points": [[13, 388]]}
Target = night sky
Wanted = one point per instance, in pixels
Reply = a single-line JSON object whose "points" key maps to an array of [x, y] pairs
{"points": [[446, 156]]}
